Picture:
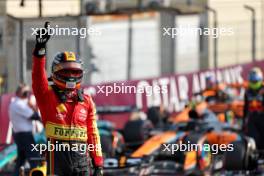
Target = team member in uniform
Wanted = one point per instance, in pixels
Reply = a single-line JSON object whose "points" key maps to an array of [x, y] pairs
{"points": [[254, 106], [68, 115]]}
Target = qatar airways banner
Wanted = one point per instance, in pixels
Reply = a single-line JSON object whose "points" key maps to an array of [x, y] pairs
{"points": [[172, 91]]}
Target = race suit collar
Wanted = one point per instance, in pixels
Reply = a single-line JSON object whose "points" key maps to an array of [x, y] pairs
{"points": [[68, 95]]}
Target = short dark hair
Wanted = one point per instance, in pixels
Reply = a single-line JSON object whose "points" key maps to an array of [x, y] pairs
{"points": [[22, 90]]}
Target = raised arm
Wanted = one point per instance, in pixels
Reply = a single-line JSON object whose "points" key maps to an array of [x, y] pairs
{"points": [[39, 78]]}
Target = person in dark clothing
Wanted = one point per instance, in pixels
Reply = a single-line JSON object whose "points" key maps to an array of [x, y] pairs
{"points": [[253, 123]]}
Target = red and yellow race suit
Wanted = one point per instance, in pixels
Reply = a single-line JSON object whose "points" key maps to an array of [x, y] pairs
{"points": [[69, 122]]}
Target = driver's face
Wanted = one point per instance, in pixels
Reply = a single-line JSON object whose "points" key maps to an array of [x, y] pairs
{"points": [[70, 73]]}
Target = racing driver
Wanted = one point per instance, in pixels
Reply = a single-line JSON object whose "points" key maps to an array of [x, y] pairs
{"points": [[68, 115]]}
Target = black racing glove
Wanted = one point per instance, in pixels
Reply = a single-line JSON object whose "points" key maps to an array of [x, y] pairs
{"points": [[42, 38], [35, 116], [98, 171]]}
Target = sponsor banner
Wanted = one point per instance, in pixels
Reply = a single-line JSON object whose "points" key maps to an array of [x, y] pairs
{"points": [[179, 88], [174, 90]]}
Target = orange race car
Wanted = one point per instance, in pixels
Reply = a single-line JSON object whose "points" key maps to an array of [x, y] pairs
{"points": [[208, 149]]}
